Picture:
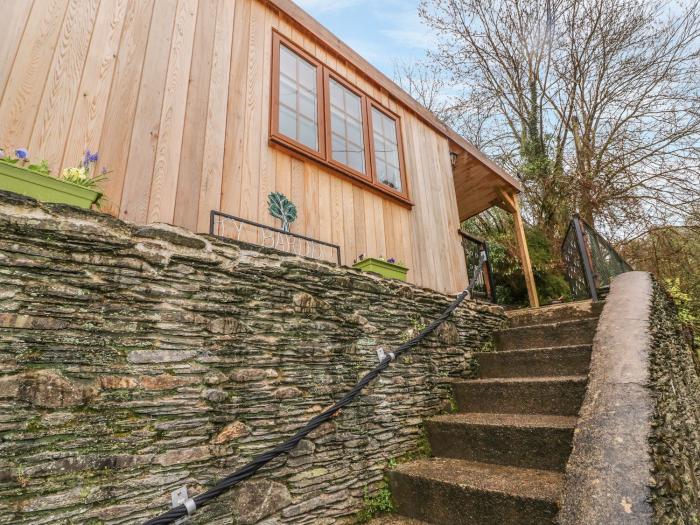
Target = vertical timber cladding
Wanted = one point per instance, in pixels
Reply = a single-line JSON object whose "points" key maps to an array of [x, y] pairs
{"points": [[176, 98]]}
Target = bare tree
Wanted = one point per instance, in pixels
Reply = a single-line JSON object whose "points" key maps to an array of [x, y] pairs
{"points": [[427, 84], [593, 103]]}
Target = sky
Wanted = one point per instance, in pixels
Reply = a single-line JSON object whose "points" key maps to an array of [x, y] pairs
{"points": [[382, 31]]}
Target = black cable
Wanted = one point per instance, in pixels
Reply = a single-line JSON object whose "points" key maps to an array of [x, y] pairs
{"points": [[258, 462]]}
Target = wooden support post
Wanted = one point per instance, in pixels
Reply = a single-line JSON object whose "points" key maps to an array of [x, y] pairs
{"points": [[513, 205]]}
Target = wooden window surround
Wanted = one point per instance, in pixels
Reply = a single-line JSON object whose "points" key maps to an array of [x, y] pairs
{"points": [[331, 111], [275, 110], [398, 161]]}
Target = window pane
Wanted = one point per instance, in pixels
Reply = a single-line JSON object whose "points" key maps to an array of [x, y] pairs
{"points": [[381, 172], [298, 115], [386, 150], [288, 92], [307, 105], [337, 121], [288, 64], [392, 155], [352, 105], [393, 177], [339, 152], [336, 96], [308, 133], [348, 145], [356, 160], [288, 122], [307, 75], [355, 132]]}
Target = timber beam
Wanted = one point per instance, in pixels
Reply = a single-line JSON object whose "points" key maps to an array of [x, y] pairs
{"points": [[511, 203]]}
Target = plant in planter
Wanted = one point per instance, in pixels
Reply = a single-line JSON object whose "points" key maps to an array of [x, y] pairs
{"points": [[388, 268], [75, 186]]}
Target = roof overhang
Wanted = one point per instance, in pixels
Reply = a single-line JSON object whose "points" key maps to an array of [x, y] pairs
{"points": [[480, 183]]}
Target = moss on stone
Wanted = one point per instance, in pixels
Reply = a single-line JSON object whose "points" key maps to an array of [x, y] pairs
{"points": [[675, 436], [379, 502]]}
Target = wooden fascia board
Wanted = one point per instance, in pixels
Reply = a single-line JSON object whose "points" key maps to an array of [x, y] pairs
{"points": [[318, 31]]}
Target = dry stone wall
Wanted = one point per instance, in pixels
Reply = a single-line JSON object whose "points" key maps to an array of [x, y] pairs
{"points": [[135, 360], [675, 435]]}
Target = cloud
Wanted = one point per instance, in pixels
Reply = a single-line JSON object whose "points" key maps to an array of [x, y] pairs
{"points": [[405, 28], [410, 38]]}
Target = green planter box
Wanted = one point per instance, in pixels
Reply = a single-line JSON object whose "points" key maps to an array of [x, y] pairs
{"points": [[44, 187], [383, 268]]}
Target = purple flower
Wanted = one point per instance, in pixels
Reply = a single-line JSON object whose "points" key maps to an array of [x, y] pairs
{"points": [[21, 153], [89, 158], [391, 260]]}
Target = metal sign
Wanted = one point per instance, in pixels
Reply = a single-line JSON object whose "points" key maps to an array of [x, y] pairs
{"points": [[239, 229], [282, 208]]}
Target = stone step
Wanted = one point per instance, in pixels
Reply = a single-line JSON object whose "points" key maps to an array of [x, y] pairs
{"points": [[554, 313], [561, 395], [456, 492], [396, 519], [560, 361], [565, 333], [528, 441]]}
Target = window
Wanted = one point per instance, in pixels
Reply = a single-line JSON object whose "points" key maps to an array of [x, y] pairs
{"points": [[317, 114], [386, 150], [347, 135], [296, 117], [298, 99]]}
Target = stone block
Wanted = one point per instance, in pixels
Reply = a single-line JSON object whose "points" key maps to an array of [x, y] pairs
{"points": [[50, 389], [258, 499], [232, 431]]}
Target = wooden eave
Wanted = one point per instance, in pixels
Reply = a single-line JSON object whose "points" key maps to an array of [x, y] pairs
{"points": [[478, 187], [478, 180]]}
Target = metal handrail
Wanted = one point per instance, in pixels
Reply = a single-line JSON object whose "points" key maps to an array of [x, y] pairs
{"points": [[592, 268], [184, 506], [484, 248]]}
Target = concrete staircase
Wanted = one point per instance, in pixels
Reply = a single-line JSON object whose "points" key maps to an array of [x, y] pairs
{"points": [[501, 458]]}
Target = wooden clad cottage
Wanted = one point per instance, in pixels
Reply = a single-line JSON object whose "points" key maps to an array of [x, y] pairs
{"points": [[208, 105]]}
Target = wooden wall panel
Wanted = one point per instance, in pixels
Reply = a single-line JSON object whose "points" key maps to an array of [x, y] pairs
{"points": [[115, 140], [195, 124], [61, 90], [236, 137], [250, 172], [161, 205], [176, 95], [144, 134], [93, 93], [215, 143], [27, 75], [265, 173], [15, 14]]}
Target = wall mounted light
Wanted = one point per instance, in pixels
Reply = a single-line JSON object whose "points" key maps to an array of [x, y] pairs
{"points": [[453, 158]]}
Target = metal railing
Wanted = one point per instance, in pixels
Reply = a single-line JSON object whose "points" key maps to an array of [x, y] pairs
{"points": [[476, 253], [284, 240], [590, 261]]}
